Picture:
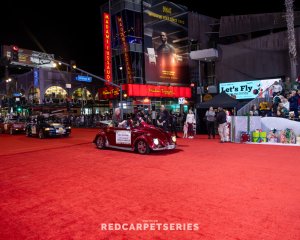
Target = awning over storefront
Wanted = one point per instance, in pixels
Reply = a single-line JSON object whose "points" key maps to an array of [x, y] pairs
{"points": [[146, 90]]}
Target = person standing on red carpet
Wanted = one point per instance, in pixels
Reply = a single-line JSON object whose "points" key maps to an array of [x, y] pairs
{"points": [[221, 120], [210, 122], [190, 120], [163, 119]]}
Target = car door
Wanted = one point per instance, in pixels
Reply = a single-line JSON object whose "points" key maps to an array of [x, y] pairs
{"points": [[111, 135]]}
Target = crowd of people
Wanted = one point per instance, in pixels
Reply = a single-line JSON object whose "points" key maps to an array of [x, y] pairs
{"points": [[285, 103]]}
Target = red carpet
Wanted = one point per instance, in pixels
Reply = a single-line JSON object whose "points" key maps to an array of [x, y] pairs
{"points": [[233, 191]]}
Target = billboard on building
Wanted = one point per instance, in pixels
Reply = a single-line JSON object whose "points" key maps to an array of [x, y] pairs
{"points": [[248, 89], [165, 42], [29, 58]]}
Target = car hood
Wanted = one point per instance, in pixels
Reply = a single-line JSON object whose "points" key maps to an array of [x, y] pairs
{"points": [[154, 131]]}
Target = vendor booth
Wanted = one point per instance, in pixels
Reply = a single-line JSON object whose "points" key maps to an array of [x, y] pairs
{"points": [[221, 100], [268, 130]]}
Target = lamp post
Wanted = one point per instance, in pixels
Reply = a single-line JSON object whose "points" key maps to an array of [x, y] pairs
{"points": [[7, 85]]}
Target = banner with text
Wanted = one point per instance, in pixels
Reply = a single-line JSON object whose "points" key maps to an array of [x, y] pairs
{"points": [[248, 89]]}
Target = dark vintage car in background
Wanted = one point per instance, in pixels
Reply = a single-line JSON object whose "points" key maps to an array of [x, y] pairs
{"points": [[46, 128], [11, 126], [142, 138]]}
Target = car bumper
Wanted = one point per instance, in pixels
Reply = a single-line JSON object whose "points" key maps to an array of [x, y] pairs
{"points": [[160, 148], [55, 133], [19, 129]]}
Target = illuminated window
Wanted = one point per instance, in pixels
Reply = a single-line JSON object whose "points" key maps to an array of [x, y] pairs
{"points": [[56, 92]]}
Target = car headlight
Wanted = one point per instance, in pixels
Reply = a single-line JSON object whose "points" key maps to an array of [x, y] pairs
{"points": [[68, 127], [174, 138], [155, 141], [47, 129]]}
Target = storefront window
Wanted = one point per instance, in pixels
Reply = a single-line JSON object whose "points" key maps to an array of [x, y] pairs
{"points": [[82, 94], [34, 95]]}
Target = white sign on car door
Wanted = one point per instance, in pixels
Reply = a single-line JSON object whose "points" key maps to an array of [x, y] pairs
{"points": [[123, 137]]}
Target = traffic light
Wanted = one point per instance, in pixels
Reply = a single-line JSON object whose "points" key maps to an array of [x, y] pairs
{"points": [[15, 53], [73, 65], [19, 109]]}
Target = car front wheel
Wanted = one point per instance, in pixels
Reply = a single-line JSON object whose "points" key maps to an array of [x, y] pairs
{"points": [[142, 147], [100, 142]]}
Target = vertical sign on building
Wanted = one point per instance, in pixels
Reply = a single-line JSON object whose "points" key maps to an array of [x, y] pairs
{"points": [[36, 77], [125, 48], [107, 48]]}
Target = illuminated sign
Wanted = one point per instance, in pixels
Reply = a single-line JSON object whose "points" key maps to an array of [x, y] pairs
{"points": [[248, 89], [30, 58], [108, 93], [146, 90], [107, 48], [181, 100], [165, 42], [83, 78], [125, 48], [36, 77]]}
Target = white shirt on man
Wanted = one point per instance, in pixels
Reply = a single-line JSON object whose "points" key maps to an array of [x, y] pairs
{"points": [[190, 118]]}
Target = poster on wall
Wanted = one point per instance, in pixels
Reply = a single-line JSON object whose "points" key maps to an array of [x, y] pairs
{"points": [[248, 89], [165, 42]]}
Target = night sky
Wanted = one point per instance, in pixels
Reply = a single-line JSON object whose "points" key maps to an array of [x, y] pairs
{"points": [[73, 31]]}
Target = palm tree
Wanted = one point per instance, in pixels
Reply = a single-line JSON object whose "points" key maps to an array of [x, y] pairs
{"points": [[289, 5]]}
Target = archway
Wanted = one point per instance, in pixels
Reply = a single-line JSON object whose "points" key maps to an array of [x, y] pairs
{"points": [[55, 94]]}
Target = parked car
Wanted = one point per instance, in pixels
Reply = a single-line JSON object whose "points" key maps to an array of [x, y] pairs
{"points": [[142, 138], [46, 128], [12, 126]]}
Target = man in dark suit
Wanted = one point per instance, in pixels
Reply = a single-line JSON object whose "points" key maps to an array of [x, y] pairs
{"points": [[163, 120]]}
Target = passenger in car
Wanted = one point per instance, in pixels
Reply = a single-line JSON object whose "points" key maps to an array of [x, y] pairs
{"points": [[117, 119]]}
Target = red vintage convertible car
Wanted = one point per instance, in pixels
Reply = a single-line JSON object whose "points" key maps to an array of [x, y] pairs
{"points": [[12, 126], [141, 138]]}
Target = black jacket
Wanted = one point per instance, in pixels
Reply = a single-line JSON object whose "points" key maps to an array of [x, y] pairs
{"points": [[221, 117]]}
